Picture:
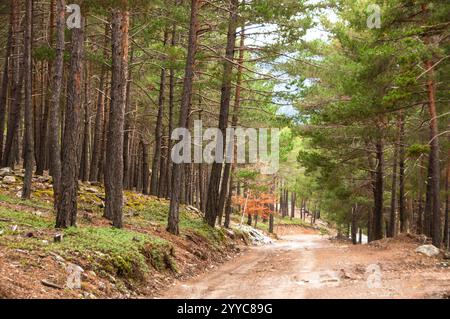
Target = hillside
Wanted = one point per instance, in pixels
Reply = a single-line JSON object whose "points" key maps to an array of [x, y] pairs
{"points": [[135, 261]]}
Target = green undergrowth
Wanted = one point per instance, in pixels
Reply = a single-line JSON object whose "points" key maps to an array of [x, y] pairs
{"points": [[156, 212], [33, 203], [119, 252], [10, 217], [125, 253]]}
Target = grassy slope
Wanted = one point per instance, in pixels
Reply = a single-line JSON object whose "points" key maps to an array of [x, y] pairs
{"points": [[131, 254]]}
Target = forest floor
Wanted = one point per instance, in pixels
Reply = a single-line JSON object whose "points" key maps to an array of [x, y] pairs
{"points": [[138, 261], [144, 261], [133, 262], [305, 264]]}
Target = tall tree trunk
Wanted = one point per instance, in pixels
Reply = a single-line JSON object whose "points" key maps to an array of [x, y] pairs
{"points": [[228, 208], [420, 199], [434, 151], [43, 150], [378, 192], [54, 108], [234, 121], [126, 134], [401, 196], [393, 212], [428, 202], [173, 42], [99, 115], [107, 107], [29, 141], [156, 165], [173, 218], [42, 161], [145, 167], [5, 77], [354, 226], [162, 182], [84, 165], [447, 197], [434, 162], [114, 148], [67, 209], [216, 171], [286, 204], [9, 152]]}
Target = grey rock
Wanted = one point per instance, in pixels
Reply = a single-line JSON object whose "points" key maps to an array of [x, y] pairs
{"points": [[428, 250], [5, 171], [9, 179], [257, 237]]}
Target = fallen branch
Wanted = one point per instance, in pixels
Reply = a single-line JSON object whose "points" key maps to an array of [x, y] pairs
{"points": [[51, 284]]}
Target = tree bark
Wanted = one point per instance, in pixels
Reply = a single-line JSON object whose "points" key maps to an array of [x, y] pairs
{"points": [[434, 162], [393, 212], [234, 121], [106, 111], [16, 94], [173, 218], [84, 165], [228, 208], [29, 141], [114, 148], [434, 151], [162, 182], [5, 77], [213, 200], [67, 209], [378, 192], [156, 165], [354, 225], [173, 42], [55, 109], [99, 115], [293, 199], [420, 199], [401, 196], [428, 202], [126, 133], [42, 161], [145, 167], [447, 199]]}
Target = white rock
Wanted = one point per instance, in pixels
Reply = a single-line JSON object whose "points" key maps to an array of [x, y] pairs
{"points": [[257, 237], [9, 179], [428, 250], [5, 171]]}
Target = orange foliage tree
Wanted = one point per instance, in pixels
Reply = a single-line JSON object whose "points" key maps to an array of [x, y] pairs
{"points": [[255, 205]]}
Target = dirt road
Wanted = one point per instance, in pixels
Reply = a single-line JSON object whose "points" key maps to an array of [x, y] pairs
{"points": [[305, 265]]}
